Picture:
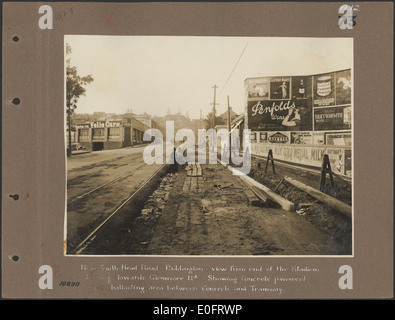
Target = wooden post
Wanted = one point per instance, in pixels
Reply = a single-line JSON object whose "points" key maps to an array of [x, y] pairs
{"points": [[229, 128], [270, 158], [258, 188], [340, 206], [215, 88], [275, 189]]}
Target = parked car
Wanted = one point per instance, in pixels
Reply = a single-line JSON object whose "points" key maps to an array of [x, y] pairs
{"points": [[77, 146]]}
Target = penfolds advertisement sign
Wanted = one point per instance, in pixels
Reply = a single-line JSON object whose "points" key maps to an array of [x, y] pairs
{"points": [[280, 115], [275, 110]]}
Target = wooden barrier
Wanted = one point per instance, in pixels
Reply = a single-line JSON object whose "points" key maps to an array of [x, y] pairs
{"points": [[270, 158], [332, 202], [325, 168]]}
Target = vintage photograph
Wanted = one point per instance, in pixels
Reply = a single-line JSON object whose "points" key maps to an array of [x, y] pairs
{"points": [[208, 146]]}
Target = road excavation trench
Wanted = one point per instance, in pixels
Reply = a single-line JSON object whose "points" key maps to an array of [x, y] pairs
{"points": [[213, 214]]}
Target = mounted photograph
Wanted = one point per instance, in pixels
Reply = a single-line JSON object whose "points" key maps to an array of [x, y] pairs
{"points": [[208, 146]]}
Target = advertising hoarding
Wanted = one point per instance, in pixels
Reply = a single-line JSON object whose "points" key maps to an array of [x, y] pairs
{"points": [[258, 88], [302, 137], [332, 118], [338, 139], [280, 88], [268, 115], [340, 158], [343, 87], [289, 103], [324, 89], [302, 117]]}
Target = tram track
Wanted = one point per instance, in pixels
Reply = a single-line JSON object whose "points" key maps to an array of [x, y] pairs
{"points": [[82, 245], [119, 177], [97, 196]]}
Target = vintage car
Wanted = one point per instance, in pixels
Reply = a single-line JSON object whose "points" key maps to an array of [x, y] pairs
{"points": [[77, 146]]}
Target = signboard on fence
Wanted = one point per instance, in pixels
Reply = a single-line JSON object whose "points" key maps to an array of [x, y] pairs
{"points": [[340, 158]]}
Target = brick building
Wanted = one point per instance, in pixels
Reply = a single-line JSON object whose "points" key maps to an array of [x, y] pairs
{"points": [[104, 133]]}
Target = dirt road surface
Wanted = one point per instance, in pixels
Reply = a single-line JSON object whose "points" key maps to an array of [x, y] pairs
{"points": [[211, 214], [216, 217]]}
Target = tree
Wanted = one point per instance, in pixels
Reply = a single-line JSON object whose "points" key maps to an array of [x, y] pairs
{"points": [[75, 87], [75, 84], [208, 121]]}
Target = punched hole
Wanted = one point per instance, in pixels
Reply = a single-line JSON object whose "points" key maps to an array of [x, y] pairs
{"points": [[15, 258], [14, 196], [16, 101], [15, 39]]}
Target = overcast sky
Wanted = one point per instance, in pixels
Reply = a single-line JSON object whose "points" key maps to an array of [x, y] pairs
{"points": [[153, 74]]}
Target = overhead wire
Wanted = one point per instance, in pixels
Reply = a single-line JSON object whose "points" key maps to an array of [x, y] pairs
{"points": [[234, 68]]}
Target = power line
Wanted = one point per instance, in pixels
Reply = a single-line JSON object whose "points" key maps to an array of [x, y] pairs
{"points": [[233, 69]]}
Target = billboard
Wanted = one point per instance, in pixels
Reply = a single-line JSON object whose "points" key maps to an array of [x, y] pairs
{"points": [[280, 115], [300, 103], [280, 88], [300, 118], [332, 118], [258, 88], [324, 89], [343, 87]]}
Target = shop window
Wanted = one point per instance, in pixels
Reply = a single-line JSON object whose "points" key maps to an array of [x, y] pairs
{"points": [[98, 133], [114, 133], [134, 135], [84, 134]]}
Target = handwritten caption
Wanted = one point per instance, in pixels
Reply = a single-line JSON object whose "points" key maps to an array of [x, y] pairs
{"points": [[145, 278], [62, 14]]}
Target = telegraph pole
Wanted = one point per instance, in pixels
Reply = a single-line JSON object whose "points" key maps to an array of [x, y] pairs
{"points": [[215, 89], [69, 125], [70, 107], [229, 128]]}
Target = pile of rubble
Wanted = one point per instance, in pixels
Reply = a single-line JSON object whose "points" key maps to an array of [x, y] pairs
{"points": [[144, 225], [156, 202]]}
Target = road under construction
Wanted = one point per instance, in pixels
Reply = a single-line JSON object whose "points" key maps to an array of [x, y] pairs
{"points": [[119, 205]]}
